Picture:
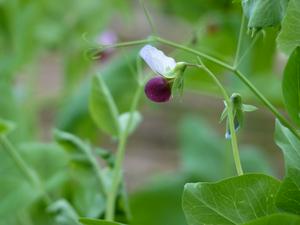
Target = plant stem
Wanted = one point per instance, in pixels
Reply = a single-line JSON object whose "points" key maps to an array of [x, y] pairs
{"points": [[148, 16], [195, 52], [266, 102], [240, 42], [253, 41], [234, 143], [225, 65], [117, 174], [23, 167], [242, 77]]}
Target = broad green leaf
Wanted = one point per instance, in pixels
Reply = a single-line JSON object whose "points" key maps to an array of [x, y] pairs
{"points": [[6, 126], [135, 121], [291, 86], [103, 108], [289, 144], [87, 221], [276, 219], [264, 13], [288, 197], [232, 201], [289, 37]]}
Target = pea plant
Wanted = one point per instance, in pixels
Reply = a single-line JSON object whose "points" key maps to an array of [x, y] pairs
{"points": [[246, 198], [100, 196]]}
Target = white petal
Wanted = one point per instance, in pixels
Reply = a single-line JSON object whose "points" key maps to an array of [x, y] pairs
{"points": [[157, 60]]}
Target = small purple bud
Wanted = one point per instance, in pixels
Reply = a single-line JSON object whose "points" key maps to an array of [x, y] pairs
{"points": [[158, 89]]}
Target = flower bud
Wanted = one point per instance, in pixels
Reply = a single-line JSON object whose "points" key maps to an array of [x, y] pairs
{"points": [[158, 89]]}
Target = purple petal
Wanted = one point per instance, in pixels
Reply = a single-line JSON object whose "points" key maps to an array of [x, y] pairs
{"points": [[158, 89]]}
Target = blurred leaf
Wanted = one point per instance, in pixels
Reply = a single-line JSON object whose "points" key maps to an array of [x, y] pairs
{"points": [[255, 161], [16, 195], [159, 201], [262, 14], [276, 219], [48, 160], [103, 108], [69, 142], [124, 119], [65, 214], [212, 160], [288, 197], [289, 144], [289, 37], [195, 9], [117, 74], [199, 154], [291, 86], [87, 221], [6, 126], [232, 201]]}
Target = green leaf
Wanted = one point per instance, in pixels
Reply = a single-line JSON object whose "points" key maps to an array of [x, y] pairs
{"points": [[69, 142], [276, 219], [87, 221], [249, 108], [291, 86], [262, 14], [289, 37], [6, 126], [64, 212], [232, 201], [135, 121], [288, 197], [289, 144], [103, 108]]}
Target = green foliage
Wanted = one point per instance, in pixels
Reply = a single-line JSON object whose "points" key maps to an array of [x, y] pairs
{"points": [[124, 119], [291, 86], [289, 37], [232, 201], [103, 108], [87, 221], [289, 144], [200, 160], [262, 14], [288, 198], [276, 219], [6, 126]]}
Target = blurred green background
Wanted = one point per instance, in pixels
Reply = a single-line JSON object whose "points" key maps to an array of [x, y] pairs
{"points": [[45, 78]]}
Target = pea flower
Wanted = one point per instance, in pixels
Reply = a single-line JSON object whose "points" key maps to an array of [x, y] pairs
{"points": [[107, 37], [159, 88]]}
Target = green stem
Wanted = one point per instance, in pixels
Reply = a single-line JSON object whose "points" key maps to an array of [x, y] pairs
{"points": [[242, 77], [23, 167], [96, 166], [253, 41], [225, 65], [240, 42], [148, 16], [266, 102], [234, 143], [195, 52], [117, 174], [93, 53]]}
